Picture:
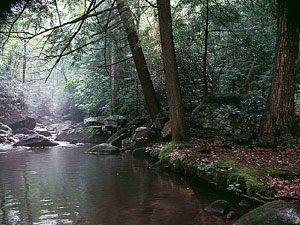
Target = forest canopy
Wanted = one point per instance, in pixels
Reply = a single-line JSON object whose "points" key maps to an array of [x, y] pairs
{"points": [[81, 56]]}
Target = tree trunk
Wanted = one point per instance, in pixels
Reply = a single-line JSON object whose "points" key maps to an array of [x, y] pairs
{"points": [[249, 77], [113, 81], [139, 58], [205, 77], [171, 72], [279, 116], [24, 62]]}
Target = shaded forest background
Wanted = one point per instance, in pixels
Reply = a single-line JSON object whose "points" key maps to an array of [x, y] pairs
{"points": [[81, 50]]}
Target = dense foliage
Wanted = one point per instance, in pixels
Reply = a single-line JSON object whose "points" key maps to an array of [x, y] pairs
{"points": [[241, 41]]}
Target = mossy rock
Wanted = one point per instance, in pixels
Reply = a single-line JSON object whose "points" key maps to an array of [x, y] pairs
{"points": [[220, 207], [247, 177], [103, 149], [5, 131], [89, 134], [35, 140], [118, 137], [273, 213]]}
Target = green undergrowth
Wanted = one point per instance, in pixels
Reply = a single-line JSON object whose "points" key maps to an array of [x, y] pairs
{"points": [[226, 173], [288, 172]]}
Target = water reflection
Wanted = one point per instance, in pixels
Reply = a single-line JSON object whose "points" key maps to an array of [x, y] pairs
{"points": [[62, 185]]}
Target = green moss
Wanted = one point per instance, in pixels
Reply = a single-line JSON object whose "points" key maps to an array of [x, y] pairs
{"points": [[284, 172], [237, 173]]}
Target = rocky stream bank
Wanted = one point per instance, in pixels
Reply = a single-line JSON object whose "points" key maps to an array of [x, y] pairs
{"points": [[225, 165]]}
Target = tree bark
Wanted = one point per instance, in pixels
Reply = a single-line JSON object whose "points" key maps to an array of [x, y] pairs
{"points": [[24, 62], [152, 103], [205, 77], [171, 72], [279, 115]]}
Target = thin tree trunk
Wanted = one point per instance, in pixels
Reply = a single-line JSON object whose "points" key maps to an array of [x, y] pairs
{"points": [[205, 77], [113, 74], [177, 117], [139, 58], [24, 62], [279, 115], [249, 77]]}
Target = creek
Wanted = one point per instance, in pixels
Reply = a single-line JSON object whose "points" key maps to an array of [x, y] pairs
{"points": [[63, 185]]}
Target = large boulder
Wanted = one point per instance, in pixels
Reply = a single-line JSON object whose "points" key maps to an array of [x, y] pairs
{"points": [[118, 137], [116, 120], [273, 213], [24, 131], [145, 135], [103, 149], [35, 140], [26, 122], [90, 134]]}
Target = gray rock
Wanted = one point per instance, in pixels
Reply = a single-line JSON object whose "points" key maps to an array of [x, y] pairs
{"points": [[44, 132], [26, 122], [274, 213], [90, 134], [220, 207], [103, 149], [94, 121], [116, 120], [35, 140], [24, 131], [145, 135]]}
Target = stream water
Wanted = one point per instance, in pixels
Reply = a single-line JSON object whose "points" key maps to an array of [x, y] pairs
{"points": [[63, 185]]}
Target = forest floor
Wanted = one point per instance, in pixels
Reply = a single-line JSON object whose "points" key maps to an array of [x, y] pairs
{"points": [[261, 174]]}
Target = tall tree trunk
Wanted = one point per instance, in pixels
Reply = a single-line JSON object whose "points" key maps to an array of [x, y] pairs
{"points": [[171, 72], [24, 62], [113, 82], [205, 77], [138, 57], [279, 115]]}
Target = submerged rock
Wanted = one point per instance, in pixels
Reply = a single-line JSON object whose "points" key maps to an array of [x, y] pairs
{"points": [[35, 140], [274, 213], [103, 149], [220, 207]]}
